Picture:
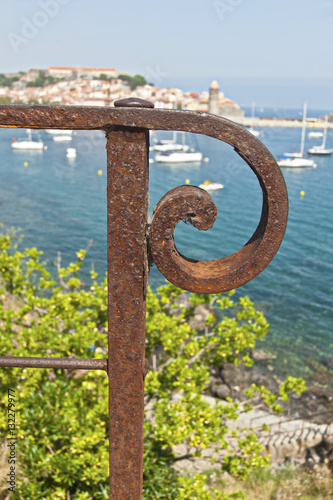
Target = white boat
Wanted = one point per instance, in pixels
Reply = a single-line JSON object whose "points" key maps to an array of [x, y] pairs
{"points": [[296, 160], [300, 153], [27, 144], [71, 153], [62, 138], [254, 132], [178, 157], [318, 150], [296, 163], [54, 131], [321, 150], [211, 186], [315, 135], [170, 145]]}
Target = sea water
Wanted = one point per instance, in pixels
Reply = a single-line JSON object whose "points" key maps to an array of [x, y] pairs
{"points": [[60, 204]]}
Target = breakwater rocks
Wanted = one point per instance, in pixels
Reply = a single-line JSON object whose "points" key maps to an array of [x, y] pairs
{"points": [[281, 122]]}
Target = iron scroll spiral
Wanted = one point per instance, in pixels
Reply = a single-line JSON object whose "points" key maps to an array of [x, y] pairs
{"points": [[196, 206]]}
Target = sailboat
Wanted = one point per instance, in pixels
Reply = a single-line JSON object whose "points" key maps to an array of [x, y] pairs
{"points": [[184, 155], [256, 133], [172, 145], [54, 131], [178, 157], [300, 153], [296, 160], [27, 144], [321, 150], [169, 146], [315, 135]]}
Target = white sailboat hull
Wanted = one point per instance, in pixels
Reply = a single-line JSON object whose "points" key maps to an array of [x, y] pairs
{"points": [[54, 131], [62, 138], [296, 163], [320, 151], [293, 155], [315, 135], [27, 145], [170, 147], [178, 157]]}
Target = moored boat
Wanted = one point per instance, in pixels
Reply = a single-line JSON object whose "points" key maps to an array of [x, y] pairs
{"points": [[321, 150], [71, 153], [62, 138], [178, 157], [211, 186], [54, 131], [27, 144], [296, 163]]}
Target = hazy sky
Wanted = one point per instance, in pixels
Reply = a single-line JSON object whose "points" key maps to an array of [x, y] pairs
{"points": [[270, 51]]}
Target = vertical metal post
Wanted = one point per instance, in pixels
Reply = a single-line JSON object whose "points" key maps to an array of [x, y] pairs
{"points": [[127, 211]]}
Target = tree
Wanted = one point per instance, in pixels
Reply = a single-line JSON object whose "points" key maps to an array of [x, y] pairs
{"points": [[7, 82], [62, 436], [133, 81], [104, 76]]}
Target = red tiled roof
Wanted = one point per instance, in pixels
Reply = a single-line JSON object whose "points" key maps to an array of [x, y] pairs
{"points": [[72, 68]]}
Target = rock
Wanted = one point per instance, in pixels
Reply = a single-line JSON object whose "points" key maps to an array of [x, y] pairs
{"points": [[239, 378], [261, 355], [218, 389], [328, 362], [201, 312], [198, 321], [321, 378], [323, 394]]}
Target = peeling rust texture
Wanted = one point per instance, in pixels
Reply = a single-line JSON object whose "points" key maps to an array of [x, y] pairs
{"points": [[64, 363], [126, 126], [127, 206]]}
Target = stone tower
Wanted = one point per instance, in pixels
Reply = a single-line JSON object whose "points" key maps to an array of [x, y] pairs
{"points": [[213, 106]]}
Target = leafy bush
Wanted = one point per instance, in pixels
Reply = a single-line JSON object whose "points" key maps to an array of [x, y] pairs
{"points": [[63, 414]]}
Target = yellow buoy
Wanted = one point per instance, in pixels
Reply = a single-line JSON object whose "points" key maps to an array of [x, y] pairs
{"points": [[302, 193], [100, 172], [25, 163], [187, 181]]}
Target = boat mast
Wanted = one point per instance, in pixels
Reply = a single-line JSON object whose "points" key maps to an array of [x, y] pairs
{"points": [[325, 133], [303, 128], [174, 135]]}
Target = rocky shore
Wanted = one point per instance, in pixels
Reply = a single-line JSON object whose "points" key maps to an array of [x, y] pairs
{"points": [[303, 433]]}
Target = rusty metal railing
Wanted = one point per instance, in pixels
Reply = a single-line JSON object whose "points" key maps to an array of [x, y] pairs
{"points": [[132, 243]]}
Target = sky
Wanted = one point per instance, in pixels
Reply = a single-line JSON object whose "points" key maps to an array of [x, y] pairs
{"points": [[273, 52]]}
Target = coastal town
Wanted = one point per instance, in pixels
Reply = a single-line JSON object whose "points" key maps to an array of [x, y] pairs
{"points": [[101, 87], [86, 86]]}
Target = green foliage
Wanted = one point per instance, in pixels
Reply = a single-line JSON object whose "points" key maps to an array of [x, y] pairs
{"points": [[63, 414], [133, 81], [7, 82], [42, 80]]}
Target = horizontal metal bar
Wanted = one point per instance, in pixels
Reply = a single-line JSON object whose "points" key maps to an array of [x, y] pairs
{"points": [[69, 363]]}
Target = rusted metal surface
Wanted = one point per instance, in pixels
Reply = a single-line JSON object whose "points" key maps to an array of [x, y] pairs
{"points": [[126, 127], [127, 207], [65, 363], [196, 206]]}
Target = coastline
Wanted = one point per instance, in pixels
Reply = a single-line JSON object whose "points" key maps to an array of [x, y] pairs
{"points": [[281, 123]]}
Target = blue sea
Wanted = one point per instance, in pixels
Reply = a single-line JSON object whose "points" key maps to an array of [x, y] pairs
{"points": [[60, 204]]}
